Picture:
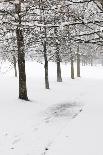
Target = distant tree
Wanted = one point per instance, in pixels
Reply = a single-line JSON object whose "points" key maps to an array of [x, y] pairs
{"points": [[78, 62]]}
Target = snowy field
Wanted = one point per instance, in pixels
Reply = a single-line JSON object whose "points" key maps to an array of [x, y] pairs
{"points": [[65, 120]]}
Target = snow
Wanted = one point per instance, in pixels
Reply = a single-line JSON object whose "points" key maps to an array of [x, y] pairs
{"points": [[67, 119], [84, 135]]}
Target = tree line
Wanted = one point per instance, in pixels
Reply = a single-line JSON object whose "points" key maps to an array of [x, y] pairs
{"points": [[45, 30]]}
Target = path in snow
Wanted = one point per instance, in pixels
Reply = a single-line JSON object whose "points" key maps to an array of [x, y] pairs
{"points": [[84, 135]]}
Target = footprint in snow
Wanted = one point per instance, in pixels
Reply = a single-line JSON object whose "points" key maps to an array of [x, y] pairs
{"points": [[69, 110]]}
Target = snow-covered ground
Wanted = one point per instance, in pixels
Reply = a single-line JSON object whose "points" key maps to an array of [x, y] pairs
{"points": [[67, 119]]}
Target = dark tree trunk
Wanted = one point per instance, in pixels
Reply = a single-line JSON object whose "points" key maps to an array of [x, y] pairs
{"points": [[21, 65], [46, 67], [58, 60], [59, 78], [14, 62], [72, 68], [21, 55], [78, 65]]}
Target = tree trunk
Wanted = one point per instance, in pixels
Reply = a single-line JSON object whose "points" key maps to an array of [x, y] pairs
{"points": [[21, 65], [78, 65], [59, 78], [46, 67], [72, 68], [14, 62], [21, 55]]}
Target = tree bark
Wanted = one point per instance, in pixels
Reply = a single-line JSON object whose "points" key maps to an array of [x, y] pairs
{"points": [[46, 67], [14, 62], [21, 65], [21, 56], [72, 68], [78, 65], [59, 78]]}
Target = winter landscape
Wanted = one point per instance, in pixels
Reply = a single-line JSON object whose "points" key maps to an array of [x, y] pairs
{"points": [[67, 119], [51, 77]]}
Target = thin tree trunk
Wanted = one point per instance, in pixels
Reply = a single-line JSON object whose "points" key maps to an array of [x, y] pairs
{"points": [[59, 78], [21, 56], [46, 67], [14, 62], [78, 65], [72, 68]]}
